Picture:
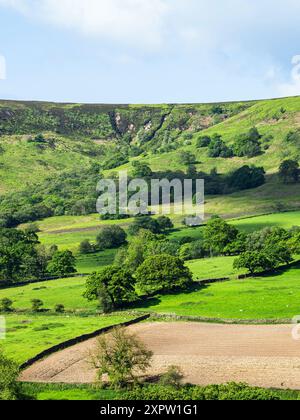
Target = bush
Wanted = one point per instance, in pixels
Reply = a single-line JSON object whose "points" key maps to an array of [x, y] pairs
{"points": [[6, 305], [36, 305], [111, 237], [289, 171], [86, 247], [231, 391], [9, 386], [203, 141], [248, 144], [59, 309], [217, 148], [173, 377]]}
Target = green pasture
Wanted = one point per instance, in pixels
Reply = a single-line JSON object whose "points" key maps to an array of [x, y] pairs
{"points": [[270, 297], [28, 334]]}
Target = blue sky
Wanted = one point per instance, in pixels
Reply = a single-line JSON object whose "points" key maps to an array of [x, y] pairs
{"points": [[149, 51]]}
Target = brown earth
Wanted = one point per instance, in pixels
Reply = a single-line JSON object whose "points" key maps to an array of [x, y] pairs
{"points": [[265, 356]]}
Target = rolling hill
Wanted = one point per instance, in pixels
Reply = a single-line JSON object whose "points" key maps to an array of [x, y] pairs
{"points": [[40, 141]]}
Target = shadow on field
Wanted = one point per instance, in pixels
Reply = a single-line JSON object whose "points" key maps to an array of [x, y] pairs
{"points": [[155, 300], [281, 270]]}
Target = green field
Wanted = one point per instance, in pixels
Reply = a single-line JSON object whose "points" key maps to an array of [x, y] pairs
{"points": [[263, 298], [213, 268], [67, 292], [284, 220], [28, 334]]}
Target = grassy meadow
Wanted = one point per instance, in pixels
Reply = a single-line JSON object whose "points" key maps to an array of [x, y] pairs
{"points": [[29, 334], [262, 298]]}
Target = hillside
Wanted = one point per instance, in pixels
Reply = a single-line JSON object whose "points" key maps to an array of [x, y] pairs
{"points": [[63, 142]]}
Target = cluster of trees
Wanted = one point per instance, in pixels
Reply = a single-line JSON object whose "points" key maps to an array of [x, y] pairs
{"points": [[249, 144], [260, 251], [23, 258], [149, 264]]}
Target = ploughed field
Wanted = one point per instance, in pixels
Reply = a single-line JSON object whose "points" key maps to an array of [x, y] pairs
{"points": [[265, 356]]}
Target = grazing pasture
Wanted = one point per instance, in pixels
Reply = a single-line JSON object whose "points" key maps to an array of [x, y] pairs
{"points": [[30, 334], [263, 298]]}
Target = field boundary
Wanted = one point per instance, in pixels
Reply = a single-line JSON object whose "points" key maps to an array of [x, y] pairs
{"points": [[206, 320], [80, 339]]}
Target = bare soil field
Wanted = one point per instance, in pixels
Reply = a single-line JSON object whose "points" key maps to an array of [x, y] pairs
{"points": [[265, 356]]}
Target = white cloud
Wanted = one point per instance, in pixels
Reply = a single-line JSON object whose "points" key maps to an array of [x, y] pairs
{"points": [[293, 87], [2, 68], [133, 22]]}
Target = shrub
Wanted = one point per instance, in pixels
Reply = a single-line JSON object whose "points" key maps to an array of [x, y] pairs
{"points": [[6, 305], [59, 308], [9, 372], [231, 391], [289, 171], [203, 141], [36, 305], [111, 237], [173, 377], [217, 148], [248, 144], [86, 247]]}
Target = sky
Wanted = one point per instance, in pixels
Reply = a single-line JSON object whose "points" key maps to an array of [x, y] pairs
{"points": [[149, 51]]}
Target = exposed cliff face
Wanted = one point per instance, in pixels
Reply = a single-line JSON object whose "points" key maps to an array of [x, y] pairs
{"points": [[108, 121]]}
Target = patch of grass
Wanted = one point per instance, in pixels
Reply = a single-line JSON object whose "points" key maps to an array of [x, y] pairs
{"points": [[64, 392], [213, 268], [270, 297], [45, 331], [68, 292]]}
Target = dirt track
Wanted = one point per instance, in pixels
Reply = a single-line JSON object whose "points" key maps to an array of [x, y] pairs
{"points": [[264, 356]]}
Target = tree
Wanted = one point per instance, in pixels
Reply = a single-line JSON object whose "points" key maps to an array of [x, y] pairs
{"points": [[203, 141], [144, 223], [9, 385], [111, 237], [19, 256], [248, 144], [6, 305], [268, 259], [289, 171], [193, 251], [86, 247], [218, 235], [121, 356], [62, 264], [247, 177], [164, 223], [163, 273], [114, 287], [217, 148]]}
